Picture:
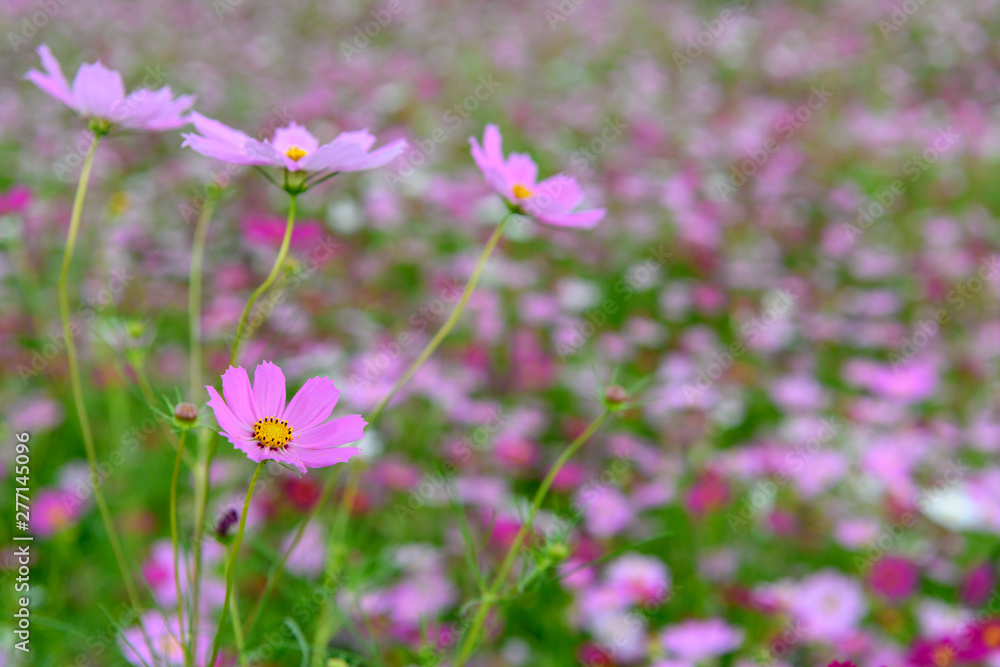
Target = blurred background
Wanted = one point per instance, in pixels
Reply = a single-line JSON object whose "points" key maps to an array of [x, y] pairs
{"points": [[799, 267]]}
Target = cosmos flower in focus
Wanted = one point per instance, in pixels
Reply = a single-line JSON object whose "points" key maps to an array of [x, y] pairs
{"points": [[515, 178], [259, 423], [292, 148], [98, 93]]}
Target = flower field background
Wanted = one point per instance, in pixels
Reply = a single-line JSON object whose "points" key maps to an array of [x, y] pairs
{"points": [[753, 401]]}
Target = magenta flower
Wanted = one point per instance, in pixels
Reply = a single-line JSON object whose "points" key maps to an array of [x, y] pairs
{"points": [[292, 147], [515, 179], [99, 94], [894, 578], [258, 423]]}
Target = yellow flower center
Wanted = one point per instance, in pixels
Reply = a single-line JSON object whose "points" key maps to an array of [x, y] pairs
{"points": [[991, 636], [272, 432], [521, 192], [296, 153]]}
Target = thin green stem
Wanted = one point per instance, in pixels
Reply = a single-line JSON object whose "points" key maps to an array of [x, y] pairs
{"points": [[275, 574], [231, 565], [278, 262], [206, 445], [492, 594], [74, 370], [194, 294], [448, 326], [174, 538], [350, 493], [206, 451], [352, 486], [234, 610]]}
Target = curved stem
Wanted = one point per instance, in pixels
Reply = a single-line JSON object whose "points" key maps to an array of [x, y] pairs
{"points": [[275, 574], [278, 262], [74, 371], [448, 325], [231, 565], [491, 595], [174, 539], [352, 486], [207, 444]]}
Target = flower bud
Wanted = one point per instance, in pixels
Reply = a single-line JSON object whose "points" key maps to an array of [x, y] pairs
{"points": [[186, 414], [615, 395]]}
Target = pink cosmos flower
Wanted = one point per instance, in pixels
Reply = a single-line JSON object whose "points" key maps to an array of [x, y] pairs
{"points": [[99, 94], [259, 423], [515, 179], [696, 640], [292, 147], [640, 578]]}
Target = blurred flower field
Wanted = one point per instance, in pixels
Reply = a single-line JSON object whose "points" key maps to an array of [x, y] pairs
{"points": [[491, 333]]}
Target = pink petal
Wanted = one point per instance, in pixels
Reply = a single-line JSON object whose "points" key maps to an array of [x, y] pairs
{"points": [[294, 135], [579, 220], [333, 157], [332, 433], [269, 390], [362, 138], [97, 90], [239, 395], [321, 458], [153, 110], [521, 169], [52, 82], [490, 161], [281, 456], [224, 143], [232, 427], [383, 156], [562, 193], [312, 404], [493, 143]]}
